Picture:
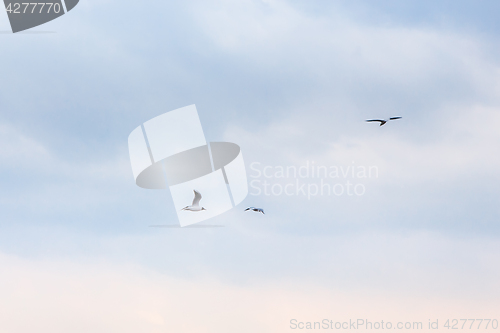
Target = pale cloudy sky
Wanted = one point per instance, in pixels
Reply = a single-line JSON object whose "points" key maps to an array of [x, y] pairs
{"points": [[291, 82]]}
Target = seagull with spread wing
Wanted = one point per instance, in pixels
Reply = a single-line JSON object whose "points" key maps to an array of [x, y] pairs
{"points": [[195, 206], [383, 121], [258, 210]]}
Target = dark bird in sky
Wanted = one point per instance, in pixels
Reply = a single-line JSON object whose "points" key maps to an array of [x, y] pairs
{"points": [[383, 121], [258, 210]]}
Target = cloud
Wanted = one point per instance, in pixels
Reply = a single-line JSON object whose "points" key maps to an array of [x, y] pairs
{"points": [[434, 183], [18, 150], [57, 296], [37, 180]]}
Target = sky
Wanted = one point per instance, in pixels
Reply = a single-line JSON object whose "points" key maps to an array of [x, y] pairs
{"points": [[292, 83]]}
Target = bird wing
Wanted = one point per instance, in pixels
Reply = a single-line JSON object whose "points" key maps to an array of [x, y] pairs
{"points": [[248, 208], [380, 120], [197, 198], [394, 118], [262, 211]]}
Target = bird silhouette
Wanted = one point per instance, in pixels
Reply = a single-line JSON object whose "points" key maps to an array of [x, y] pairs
{"points": [[383, 121]]}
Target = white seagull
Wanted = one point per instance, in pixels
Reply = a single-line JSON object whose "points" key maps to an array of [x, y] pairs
{"points": [[383, 121], [195, 206], [258, 210]]}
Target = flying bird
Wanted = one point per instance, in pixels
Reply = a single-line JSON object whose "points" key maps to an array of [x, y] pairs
{"points": [[383, 121], [195, 206], [258, 210]]}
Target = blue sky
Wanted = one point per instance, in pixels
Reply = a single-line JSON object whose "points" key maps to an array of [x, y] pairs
{"points": [[290, 82]]}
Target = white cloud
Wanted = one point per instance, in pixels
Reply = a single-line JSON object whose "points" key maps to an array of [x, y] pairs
{"points": [[18, 149], [276, 35], [79, 185]]}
